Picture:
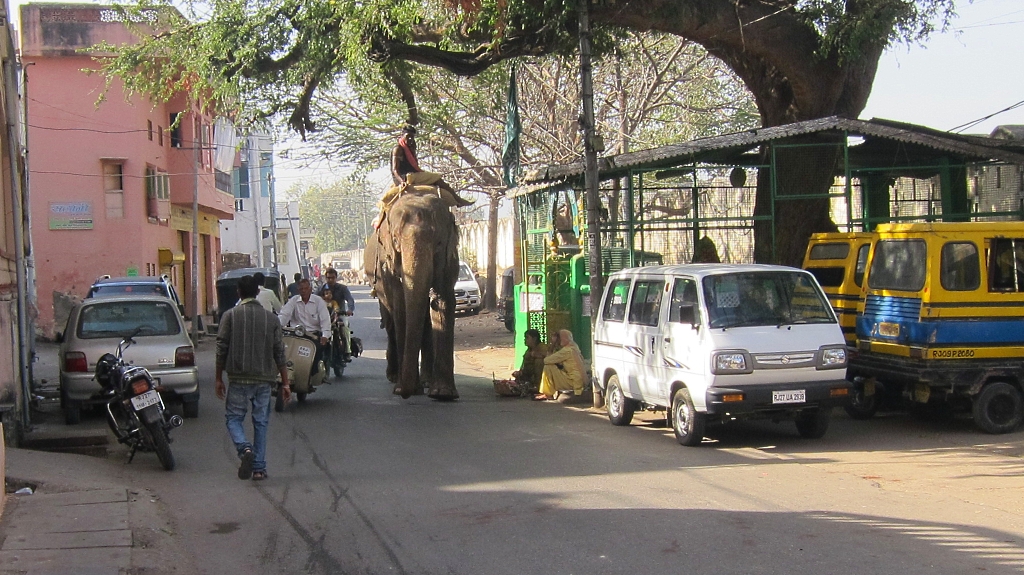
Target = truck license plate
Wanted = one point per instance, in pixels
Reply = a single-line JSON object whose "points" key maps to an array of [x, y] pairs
{"points": [[888, 329], [145, 400], [790, 396]]}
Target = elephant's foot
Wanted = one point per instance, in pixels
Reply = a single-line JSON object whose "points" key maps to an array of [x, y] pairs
{"points": [[443, 393], [416, 390]]}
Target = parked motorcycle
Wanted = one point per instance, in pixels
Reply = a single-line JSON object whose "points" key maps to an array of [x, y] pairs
{"points": [[300, 351], [135, 410]]}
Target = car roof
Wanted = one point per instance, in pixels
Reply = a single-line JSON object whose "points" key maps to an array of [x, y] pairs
{"points": [[701, 270], [130, 280], [125, 298]]}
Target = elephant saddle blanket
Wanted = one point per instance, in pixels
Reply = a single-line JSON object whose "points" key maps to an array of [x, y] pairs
{"points": [[422, 183]]}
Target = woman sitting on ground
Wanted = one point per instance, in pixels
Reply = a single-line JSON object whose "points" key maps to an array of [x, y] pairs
{"points": [[563, 369], [529, 372]]}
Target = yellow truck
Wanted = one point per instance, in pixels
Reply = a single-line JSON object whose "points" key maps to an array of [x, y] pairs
{"points": [[941, 319]]}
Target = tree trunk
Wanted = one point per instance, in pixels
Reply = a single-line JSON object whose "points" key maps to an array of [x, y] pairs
{"points": [[490, 301]]}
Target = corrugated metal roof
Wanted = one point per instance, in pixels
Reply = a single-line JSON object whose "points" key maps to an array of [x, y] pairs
{"points": [[875, 131]]}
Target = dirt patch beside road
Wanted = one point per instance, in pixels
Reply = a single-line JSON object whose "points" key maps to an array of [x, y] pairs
{"points": [[483, 346]]}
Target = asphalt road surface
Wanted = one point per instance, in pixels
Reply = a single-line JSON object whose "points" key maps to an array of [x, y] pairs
{"points": [[363, 482]]}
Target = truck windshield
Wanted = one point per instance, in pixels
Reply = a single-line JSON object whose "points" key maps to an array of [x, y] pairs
{"points": [[764, 298]]}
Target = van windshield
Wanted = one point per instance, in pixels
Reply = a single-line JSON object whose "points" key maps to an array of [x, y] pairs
{"points": [[764, 298]]}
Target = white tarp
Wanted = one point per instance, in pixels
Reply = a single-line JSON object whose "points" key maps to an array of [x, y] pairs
{"points": [[225, 144]]}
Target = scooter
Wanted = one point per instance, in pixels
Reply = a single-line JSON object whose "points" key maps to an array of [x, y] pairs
{"points": [[299, 351], [135, 410]]}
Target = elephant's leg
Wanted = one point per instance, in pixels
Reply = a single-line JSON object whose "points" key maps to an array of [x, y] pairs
{"points": [[443, 323], [392, 354], [427, 349], [417, 271]]}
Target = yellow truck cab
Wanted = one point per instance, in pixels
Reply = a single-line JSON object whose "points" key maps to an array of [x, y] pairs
{"points": [[942, 318], [838, 260]]}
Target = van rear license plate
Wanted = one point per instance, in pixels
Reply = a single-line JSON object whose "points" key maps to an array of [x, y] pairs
{"points": [[145, 400], [791, 396]]}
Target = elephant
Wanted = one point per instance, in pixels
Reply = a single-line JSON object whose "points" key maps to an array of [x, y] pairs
{"points": [[411, 261]]}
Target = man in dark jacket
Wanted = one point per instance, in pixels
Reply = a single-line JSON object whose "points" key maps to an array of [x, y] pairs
{"points": [[251, 350]]}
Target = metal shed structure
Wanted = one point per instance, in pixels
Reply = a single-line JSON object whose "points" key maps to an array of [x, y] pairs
{"points": [[697, 199]]}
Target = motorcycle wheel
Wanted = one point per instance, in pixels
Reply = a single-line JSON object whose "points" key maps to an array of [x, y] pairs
{"points": [[160, 444], [339, 369]]}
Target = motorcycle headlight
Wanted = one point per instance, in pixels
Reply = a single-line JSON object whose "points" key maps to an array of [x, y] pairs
{"points": [[732, 361]]}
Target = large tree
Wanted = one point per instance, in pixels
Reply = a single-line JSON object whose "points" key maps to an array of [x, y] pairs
{"points": [[800, 59]]}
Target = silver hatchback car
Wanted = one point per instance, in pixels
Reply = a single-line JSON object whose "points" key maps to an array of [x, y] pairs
{"points": [[162, 345]]}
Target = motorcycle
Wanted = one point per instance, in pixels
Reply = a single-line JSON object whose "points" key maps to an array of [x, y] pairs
{"points": [[337, 355], [300, 351], [135, 410]]}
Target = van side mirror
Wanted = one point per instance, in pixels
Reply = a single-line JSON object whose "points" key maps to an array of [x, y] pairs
{"points": [[688, 314]]}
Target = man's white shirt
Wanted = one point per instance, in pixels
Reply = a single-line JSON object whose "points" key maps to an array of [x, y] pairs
{"points": [[268, 300], [312, 315]]}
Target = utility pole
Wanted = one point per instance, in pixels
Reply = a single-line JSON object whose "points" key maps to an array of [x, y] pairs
{"points": [[592, 144], [196, 143]]}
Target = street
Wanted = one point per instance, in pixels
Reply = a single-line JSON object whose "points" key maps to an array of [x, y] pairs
{"points": [[361, 481]]}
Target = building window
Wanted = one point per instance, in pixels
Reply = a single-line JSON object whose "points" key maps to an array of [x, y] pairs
{"points": [[175, 130], [160, 135], [113, 188], [158, 194], [149, 129], [999, 176]]}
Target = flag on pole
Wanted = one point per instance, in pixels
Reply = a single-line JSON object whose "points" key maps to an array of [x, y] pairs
{"points": [[513, 127]]}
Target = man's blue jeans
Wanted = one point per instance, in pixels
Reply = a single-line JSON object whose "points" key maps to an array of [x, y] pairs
{"points": [[242, 397]]}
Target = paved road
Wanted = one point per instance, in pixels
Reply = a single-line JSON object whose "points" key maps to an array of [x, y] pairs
{"points": [[364, 482]]}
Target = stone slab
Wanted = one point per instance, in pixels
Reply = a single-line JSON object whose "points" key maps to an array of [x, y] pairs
{"points": [[70, 518], [75, 497], [63, 561], [77, 540]]}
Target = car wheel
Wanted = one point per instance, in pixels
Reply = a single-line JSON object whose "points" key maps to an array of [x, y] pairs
{"points": [[510, 324], [687, 423], [863, 406], [813, 423], [190, 409], [999, 408], [620, 407]]}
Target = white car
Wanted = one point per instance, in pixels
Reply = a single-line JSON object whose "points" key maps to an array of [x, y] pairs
{"points": [[713, 342], [467, 291], [162, 345]]}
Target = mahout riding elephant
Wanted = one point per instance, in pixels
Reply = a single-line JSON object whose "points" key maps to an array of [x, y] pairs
{"points": [[412, 263]]}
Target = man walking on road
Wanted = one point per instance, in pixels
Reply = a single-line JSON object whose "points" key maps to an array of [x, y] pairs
{"points": [[250, 349]]}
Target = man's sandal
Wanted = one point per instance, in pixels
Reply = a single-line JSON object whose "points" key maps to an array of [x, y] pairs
{"points": [[259, 475]]}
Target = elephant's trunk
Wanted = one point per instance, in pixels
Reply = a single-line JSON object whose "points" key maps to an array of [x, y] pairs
{"points": [[417, 274]]}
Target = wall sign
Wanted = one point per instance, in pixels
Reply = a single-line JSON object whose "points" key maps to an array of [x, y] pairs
{"points": [[70, 215]]}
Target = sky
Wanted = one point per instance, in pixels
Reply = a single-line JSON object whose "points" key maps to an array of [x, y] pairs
{"points": [[966, 73]]}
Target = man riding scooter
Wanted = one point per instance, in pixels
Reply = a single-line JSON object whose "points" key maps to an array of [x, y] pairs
{"points": [[309, 311], [343, 296]]}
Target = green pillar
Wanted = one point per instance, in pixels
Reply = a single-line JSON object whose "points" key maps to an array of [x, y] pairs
{"points": [[956, 206], [875, 192]]}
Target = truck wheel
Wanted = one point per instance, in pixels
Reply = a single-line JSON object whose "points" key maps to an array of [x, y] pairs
{"points": [[813, 423], [863, 406], [686, 422], [999, 408], [620, 407]]}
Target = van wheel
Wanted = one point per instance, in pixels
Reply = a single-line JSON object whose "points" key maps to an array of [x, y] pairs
{"points": [[190, 409], [863, 406], [620, 407], [72, 412], [999, 408], [686, 422], [813, 423]]}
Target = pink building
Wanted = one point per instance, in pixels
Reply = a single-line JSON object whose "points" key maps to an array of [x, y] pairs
{"points": [[111, 183]]}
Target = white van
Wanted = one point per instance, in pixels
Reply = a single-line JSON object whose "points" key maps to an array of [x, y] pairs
{"points": [[713, 342]]}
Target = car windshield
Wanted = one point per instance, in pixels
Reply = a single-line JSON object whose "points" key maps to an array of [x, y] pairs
{"points": [[764, 298], [464, 274], [128, 289], [116, 319]]}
